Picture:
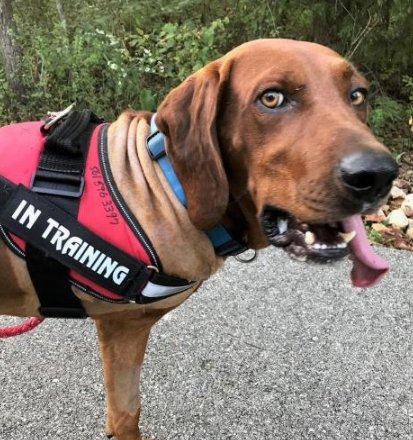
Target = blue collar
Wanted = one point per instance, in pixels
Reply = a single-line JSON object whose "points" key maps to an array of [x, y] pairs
{"points": [[225, 245]]}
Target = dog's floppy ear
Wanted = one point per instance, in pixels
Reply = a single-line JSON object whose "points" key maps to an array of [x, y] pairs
{"points": [[188, 118]]}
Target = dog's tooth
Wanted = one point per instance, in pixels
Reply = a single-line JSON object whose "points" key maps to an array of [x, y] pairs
{"points": [[309, 238], [282, 224], [347, 236]]}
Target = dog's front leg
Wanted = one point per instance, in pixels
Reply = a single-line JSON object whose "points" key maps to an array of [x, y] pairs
{"points": [[123, 342]]}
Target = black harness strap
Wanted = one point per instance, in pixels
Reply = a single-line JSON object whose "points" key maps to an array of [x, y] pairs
{"points": [[59, 176], [50, 280]]}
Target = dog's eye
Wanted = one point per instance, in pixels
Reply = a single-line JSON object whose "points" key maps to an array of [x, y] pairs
{"points": [[358, 97], [272, 99]]}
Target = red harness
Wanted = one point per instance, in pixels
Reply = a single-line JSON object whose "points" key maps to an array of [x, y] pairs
{"points": [[101, 207]]}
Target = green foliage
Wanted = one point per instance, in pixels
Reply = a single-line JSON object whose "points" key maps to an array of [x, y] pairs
{"points": [[373, 235], [387, 113], [110, 55], [4, 92], [408, 87], [104, 70], [166, 56], [91, 67]]}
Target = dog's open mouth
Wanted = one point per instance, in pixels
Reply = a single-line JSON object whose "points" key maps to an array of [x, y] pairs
{"points": [[324, 243]]}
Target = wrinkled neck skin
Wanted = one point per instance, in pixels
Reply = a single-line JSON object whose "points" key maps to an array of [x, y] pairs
{"points": [[183, 250]]}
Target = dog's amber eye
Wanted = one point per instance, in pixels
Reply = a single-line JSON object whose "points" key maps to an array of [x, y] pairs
{"points": [[272, 99], [358, 97]]}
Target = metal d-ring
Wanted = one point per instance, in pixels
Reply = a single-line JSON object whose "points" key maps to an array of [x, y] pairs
{"points": [[247, 259]]}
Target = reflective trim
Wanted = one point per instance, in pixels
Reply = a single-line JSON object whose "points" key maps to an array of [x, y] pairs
{"points": [[152, 290]]}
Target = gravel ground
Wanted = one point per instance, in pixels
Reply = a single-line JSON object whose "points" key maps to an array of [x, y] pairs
{"points": [[270, 350]]}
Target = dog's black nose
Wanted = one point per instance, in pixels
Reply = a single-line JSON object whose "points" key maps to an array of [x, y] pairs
{"points": [[368, 176]]}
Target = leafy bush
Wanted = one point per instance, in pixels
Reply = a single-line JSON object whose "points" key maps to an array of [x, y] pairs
{"points": [[108, 55], [387, 113], [166, 56], [107, 71], [389, 120], [92, 68]]}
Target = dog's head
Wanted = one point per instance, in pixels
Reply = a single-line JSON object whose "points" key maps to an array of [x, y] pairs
{"points": [[281, 125]]}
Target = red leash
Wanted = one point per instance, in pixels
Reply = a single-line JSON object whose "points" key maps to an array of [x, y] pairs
{"points": [[19, 329]]}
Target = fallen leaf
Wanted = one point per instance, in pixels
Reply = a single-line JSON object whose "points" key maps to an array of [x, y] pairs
{"points": [[377, 217], [379, 227]]}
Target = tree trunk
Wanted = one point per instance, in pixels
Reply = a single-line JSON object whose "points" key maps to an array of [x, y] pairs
{"points": [[10, 50], [61, 13]]}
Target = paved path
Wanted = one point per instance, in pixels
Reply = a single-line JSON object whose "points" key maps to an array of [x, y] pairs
{"points": [[271, 350]]}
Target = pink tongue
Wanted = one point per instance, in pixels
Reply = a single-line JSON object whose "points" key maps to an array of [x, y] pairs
{"points": [[368, 267]]}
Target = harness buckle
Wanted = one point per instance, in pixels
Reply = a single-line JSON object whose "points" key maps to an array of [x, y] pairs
{"points": [[155, 145], [57, 184]]}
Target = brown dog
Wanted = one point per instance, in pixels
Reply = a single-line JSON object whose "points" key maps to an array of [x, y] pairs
{"points": [[269, 140]]}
